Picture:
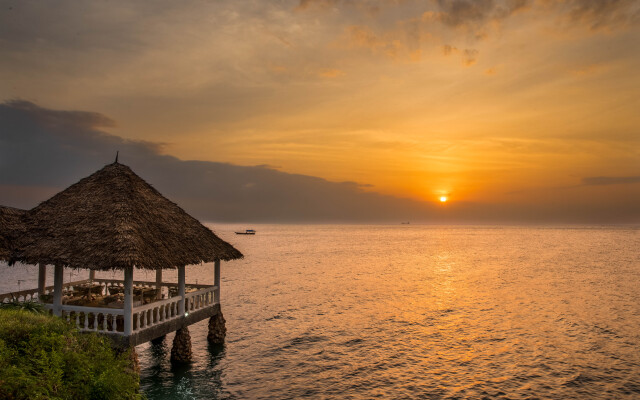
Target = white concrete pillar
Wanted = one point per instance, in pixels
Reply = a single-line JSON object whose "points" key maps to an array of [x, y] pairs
{"points": [[216, 282], [128, 301], [181, 291], [57, 289], [159, 284], [42, 278]]}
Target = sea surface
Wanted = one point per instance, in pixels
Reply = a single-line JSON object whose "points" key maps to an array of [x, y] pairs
{"points": [[414, 312]]}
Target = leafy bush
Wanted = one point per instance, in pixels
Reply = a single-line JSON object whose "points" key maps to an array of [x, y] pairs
{"points": [[43, 357], [32, 306]]}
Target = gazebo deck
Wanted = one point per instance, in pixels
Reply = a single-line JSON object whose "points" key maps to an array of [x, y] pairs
{"points": [[148, 321]]}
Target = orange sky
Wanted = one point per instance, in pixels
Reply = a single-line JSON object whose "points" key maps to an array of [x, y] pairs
{"points": [[487, 101]]}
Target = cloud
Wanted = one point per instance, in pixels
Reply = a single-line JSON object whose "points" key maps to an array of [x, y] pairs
{"points": [[610, 180], [305, 4], [469, 56], [597, 15], [447, 49], [44, 150], [51, 118], [365, 37], [475, 15], [330, 73]]}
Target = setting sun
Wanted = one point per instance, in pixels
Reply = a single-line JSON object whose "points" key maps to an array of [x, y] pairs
{"points": [[443, 199]]}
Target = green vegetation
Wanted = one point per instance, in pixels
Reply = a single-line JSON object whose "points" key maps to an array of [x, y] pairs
{"points": [[44, 357], [32, 306]]}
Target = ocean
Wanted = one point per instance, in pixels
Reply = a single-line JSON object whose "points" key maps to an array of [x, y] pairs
{"points": [[411, 311]]}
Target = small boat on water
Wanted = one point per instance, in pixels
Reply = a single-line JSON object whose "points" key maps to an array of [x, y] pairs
{"points": [[247, 232]]}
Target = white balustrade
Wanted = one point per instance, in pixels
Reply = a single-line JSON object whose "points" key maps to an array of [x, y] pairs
{"points": [[200, 299], [93, 319], [111, 320], [155, 313]]}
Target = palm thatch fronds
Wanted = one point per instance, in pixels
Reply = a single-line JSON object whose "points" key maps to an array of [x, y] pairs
{"points": [[113, 219], [11, 224]]}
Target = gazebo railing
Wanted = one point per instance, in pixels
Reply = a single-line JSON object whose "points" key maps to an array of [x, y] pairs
{"points": [[93, 319], [32, 294], [111, 320], [200, 299], [165, 310], [156, 313]]}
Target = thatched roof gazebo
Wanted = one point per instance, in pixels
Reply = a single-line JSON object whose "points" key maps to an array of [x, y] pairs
{"points": [[114, 220]]}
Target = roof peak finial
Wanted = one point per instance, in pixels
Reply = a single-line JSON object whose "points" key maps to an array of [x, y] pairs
{"points": [[117, 152]]}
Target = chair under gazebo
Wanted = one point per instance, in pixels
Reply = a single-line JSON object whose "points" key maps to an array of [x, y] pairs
{"points": [[114, 220]]}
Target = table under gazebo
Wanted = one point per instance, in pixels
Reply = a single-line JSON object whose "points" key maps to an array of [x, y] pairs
{"points": [[114, 221]]}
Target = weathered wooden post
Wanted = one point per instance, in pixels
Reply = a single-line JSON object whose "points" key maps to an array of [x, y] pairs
{"points": [[92, 274], [128, 301], [42, 278], [217, 328], [57, 290]]}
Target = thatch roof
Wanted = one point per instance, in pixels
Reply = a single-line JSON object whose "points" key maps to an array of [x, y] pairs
{"points": [[11, 225], [113, 219]]}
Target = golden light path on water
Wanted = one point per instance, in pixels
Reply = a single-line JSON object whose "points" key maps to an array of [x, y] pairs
{"points": [[420, 312]]}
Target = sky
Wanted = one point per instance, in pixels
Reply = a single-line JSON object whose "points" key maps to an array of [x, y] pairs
{"points": [[323, 110]]}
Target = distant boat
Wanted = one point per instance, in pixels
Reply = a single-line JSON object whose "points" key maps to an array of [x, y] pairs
{"points": [[247, 232], [404, 223]]}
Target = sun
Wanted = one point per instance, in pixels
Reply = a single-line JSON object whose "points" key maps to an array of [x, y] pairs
{"points": [[443, 199]]}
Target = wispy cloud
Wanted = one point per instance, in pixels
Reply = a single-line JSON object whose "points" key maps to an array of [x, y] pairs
{"points": [[610, 180], [39, 156]]}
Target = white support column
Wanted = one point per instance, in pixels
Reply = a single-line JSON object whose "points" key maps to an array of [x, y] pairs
{"points": [[216, 282], [159, 284], [128, 301], [57, 290], [181, 292], [42, 278]]}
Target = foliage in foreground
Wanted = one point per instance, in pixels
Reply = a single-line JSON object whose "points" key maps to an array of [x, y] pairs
{"points": [[32, 306], [43, 357]]}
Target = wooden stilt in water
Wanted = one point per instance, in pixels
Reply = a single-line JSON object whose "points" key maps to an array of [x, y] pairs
{"points": [[217, 328], [181, 350]]}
